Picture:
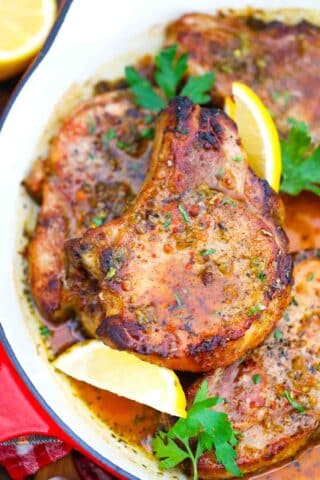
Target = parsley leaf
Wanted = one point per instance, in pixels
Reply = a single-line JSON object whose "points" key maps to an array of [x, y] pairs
{"points": [[301, 164], [196, 88], [170, 70], [208, 430], [143, 92], [110, 135], [300, 408]]}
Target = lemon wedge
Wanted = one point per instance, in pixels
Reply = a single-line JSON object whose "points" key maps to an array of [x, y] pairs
{"points": [[24, 26], [125, 374], [258, 133]]}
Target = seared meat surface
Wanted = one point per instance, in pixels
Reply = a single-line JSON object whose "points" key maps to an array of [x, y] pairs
{"points": [[92, 174], [271, 428], [280, 62], [196, 271]]}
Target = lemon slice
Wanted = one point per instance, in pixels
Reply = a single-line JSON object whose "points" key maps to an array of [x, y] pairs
{"points": [[124, 374], [258, 133], [24, 26]]}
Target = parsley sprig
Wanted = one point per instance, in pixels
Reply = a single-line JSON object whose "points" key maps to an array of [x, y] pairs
{"points": [[170, 70], [203, 430], [300, 164]]}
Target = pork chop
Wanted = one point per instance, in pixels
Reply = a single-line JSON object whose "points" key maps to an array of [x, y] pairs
{"points": [[280, 62], [196, 272], [96, 166], [257, 388]]}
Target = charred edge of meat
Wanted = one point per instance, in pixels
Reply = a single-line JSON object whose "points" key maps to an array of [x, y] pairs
{"points": [[305, 255], [127, 336]]}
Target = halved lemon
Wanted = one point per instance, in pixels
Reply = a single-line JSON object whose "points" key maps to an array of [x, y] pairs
{"points": [[124, 374], [258, 133], [24, 26]]}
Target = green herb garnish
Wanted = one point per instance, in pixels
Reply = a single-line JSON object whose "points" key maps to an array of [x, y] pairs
{"points": [[300, 163], [262, 276], [203, 430], [184, 214], [255, 309], [283, 98], [207, 252], [111, 273], [179, 300], [147, 133], [226, 68], [124, 146], [98, 221], [91, 126], [295, 404], [168, 221], [144, 94], [196, 88], [277, 334], [108, 136], [44, 331], [256, 378], [238, 159], [229, 201], [170, 70], [310, 277]]}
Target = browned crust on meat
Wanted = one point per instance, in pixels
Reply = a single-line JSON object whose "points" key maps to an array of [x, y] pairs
{"points": [[86, 178], [280, 62], [273, 431], [143, 266]]}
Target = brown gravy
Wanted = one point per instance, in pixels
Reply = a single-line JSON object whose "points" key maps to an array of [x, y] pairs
{"points": [[137, 423]]}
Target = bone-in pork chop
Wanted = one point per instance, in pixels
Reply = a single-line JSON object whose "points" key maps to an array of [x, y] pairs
{"points": [[273, 395], [96, 166], [196, 272], [280, 62]]}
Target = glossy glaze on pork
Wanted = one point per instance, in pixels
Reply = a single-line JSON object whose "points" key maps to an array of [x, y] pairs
{"points": [[89, 179], [181, 272], [280, 62], [271, 429]]}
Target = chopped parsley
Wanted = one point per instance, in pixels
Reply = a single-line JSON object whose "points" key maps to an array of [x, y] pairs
{"points": [[226, 68], [124, 146], [184, 214], [300, 408], [147, 133], [255, 309], [256, 378], [148, 119], [262, 276], [44, 331], [91, 126], [202, 430], [238, 159], [108, 136], [277, 334], [111, 273], [229, 201], [179, 300], [283, 98], [168, 221], [196, 88], [209, 251], [310, 277], [300, 162], [98, 221], [170, 70]]}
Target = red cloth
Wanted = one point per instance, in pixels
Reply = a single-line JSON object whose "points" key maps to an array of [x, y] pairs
{"points": [[25, 458]]}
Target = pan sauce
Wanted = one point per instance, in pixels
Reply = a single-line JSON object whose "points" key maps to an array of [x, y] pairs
{"points": [[137, 423]]}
